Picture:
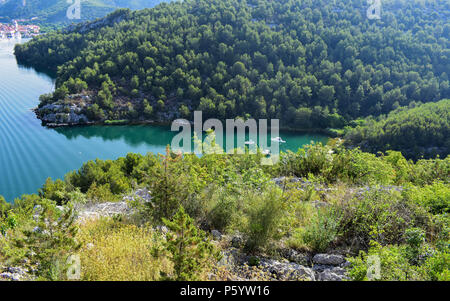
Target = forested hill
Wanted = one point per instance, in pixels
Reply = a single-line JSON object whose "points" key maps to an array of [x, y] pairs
{"points": [[312, 64], [417, 131], [54, 11]]}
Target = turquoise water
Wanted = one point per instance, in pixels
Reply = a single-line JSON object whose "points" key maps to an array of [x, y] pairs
{"points": [[30, 153]]}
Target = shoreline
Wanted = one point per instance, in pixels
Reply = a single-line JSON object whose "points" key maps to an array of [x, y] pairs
{"points": [[326, 132]]}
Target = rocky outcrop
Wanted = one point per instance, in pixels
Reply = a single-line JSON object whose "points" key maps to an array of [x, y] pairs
{"points": [[333, 274], [294, 266], [57, 114], [328, 259], [111, 209], [287, 270], [96, 211], [15, 274], [140, 195]]}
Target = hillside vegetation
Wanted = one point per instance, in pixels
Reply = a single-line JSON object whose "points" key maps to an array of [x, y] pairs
{"points": [[54, 11], [312, 64], [320, 199], [417, 131]]}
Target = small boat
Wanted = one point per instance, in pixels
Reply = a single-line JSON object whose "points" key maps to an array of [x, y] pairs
{"points": [[181, 122], [278, 139], [250, 142], [265, 152]]}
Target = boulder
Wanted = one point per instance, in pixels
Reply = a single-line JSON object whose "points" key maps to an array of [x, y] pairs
{"points": [[237, 241], [328, 259], [297, 257], [328, 275], [216, 235], [287, 270]]}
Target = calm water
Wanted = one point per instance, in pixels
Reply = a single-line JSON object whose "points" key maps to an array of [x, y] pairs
{"points": [[30, 153]]}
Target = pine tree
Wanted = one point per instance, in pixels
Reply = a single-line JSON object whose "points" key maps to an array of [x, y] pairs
{"points": [[51, 242], [168, 186], [190, 250]]}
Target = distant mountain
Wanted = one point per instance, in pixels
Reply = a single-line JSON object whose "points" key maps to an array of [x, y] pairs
{"points": [[55, 11]]}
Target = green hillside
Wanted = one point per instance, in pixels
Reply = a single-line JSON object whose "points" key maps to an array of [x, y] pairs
{"points": [[54, 11], [418, 131]]}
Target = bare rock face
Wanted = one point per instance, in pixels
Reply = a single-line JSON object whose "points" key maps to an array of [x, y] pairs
{"points": [[328, 259], [297, 257], [111, 209], [97, 211], [287, 270], [142, 195], [334, 274], [15, 274]]}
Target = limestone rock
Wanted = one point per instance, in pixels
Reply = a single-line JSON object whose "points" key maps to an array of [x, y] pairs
{"points": [[216, 235], [328, 259]]}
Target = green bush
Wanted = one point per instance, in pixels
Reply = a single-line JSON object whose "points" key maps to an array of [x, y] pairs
{"points": [[224, 206], [381, 215], [264, 214], [395, 265], [50, 242], [4, 207], [437, 266], [322, 230], [336, 163], [434, 197]]}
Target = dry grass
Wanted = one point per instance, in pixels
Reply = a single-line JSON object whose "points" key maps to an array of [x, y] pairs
{"points": [[113, 251]]}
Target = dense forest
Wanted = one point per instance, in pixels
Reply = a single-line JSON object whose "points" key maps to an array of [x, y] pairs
{"points": [[312, 64], [417, 131], [54, 11]]}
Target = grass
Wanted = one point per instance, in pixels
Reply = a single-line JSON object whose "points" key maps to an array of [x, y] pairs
{"points": [[119, 252]]}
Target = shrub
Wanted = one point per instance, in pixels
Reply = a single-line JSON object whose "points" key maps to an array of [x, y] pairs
{"points": [[434, 197], [4, 207], [394, 266], [381, 215], [188, 247], [50, 242], [415, 238], [264, 218], [437, 266], [224, 206], [101, 193], [336, 163], [323, 229], [428, 171]]}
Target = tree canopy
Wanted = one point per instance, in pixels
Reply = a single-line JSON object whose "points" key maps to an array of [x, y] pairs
{"points": [[417, 131], [311, 64]]}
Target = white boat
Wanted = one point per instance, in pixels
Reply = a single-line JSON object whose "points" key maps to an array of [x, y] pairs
{"points": [[265, 152], [278, 139], [250, 142], [181, 122]]}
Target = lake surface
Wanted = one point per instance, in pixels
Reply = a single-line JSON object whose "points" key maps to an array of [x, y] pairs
{"points": [[30, 153]]}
